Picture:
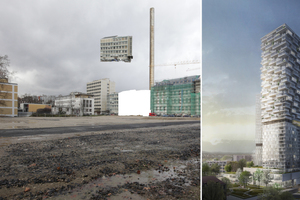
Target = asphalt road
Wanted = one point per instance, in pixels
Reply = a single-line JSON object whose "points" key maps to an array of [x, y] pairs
{"points": [[90, 128]]}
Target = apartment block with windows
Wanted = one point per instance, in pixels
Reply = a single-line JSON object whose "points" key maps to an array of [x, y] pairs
{"points": [[100, 89], [116, 48], [280, 100], [8, 98], [113, 102]]}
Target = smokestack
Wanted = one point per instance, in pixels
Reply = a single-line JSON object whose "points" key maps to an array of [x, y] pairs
{"points": [[151, 67]]}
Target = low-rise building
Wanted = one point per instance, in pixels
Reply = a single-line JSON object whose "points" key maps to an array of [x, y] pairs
{"points": [[33, 107], [74, 104], [112, 103], [221, 163], [8, 98]]}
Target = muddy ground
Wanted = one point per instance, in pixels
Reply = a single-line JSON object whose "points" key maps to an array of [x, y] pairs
{"points": [[149, 163]]}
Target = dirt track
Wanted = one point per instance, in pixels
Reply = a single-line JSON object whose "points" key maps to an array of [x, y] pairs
{"points": [[152, 163]]}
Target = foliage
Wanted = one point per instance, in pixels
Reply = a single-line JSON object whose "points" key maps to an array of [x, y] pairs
{"points": [[227, 182], [213, 191], [266, 178], [205, 169], [258, 175], [250, 164], [227, 168], [244, 178], [238, 173], [234, 166], [271, 193], [215, 168], [242, 163], [4, 64]]}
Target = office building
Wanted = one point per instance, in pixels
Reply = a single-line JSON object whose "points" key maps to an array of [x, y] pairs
{"points": [[112, 103], [280, 100], [8, 98], [74, 104], [116, 48], [100, 89], [177, 96]]}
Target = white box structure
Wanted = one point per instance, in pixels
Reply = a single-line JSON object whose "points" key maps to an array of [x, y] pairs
{"points": [[134, 102]]}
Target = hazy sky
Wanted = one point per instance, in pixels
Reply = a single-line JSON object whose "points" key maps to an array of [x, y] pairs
{"points": [[232, 30], [54, 46]]}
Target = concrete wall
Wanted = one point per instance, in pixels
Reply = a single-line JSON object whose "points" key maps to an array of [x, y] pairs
{"points": [[8, 99]]}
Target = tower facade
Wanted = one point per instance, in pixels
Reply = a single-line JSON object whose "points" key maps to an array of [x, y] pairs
{"points": [[280, 99]]}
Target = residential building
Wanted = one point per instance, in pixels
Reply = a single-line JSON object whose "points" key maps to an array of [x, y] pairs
{"points": [[280, 101], [112, 103], [257, 157], [206, 180], [116, 48], [8, 98], [100, 89], [221, 163], [240, 157], [74, 104], [177, 96]]}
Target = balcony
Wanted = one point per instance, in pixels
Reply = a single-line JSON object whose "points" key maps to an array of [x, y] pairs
{"points": [[269, 108], [270, 70], [279, 62], [262, 77], [276, 78], [274, 86], [285, 79], [278, 45], [277, 71], [268, 46], [273, 54], [277, 37], [272, 94], [264, 100], [280, 28], [264, 69], [278, 103], [268, 78], [264, 62], [266, 54], [271, 101], [267, 85], [282, 54], [282, 87], [281, 94], [272, 61]]}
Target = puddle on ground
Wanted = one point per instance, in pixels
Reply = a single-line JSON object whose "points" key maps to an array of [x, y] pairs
{"points": [[145, 177]]}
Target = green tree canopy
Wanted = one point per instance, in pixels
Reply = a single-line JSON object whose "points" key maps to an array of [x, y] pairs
{"points": [[242, 163], [266, 177], [215, 168], [258, 175], [244, 178], [227, 168], [250, 164], [205, 169], [227, 182], [213, 191]]}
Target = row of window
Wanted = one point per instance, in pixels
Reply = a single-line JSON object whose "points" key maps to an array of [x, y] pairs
{"points": [[113, 43], [116, 47]]}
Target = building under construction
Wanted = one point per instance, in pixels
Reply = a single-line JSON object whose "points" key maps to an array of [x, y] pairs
{"points": [[176, 96]]}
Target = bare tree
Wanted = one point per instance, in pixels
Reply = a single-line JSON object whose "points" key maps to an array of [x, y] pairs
{"points": [[4, 74]]}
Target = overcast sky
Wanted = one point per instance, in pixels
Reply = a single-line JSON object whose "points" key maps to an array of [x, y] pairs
{"points": [[54, 46], [232, 30]]}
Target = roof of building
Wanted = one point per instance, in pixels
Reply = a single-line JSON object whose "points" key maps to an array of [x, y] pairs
{"points": [[175, 81], [206, 179]]}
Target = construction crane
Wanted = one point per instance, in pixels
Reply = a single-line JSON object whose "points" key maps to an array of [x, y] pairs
{"points": [[180, 63]]}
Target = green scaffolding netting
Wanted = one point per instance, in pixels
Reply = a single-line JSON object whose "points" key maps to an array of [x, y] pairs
{"points": [[175, 99]]}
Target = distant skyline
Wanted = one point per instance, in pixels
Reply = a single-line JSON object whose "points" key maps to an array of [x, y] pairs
{"points": [[54, 46], [231, 64]]}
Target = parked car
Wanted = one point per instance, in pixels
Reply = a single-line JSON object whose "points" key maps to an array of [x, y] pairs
{"points": [[152, 114], [165, 115], [171, 115], [186, 116]]}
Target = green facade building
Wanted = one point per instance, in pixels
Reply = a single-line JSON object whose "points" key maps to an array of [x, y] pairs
{"points": [[177, 96]]}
